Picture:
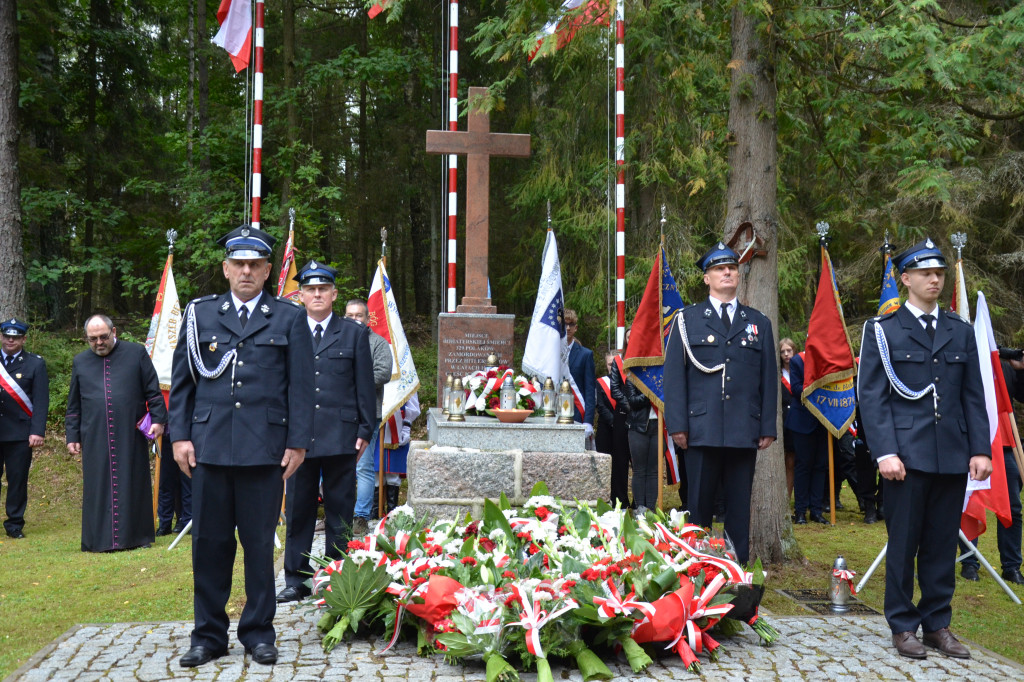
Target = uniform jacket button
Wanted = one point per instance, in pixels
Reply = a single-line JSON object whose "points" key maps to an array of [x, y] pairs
{"points": [[238, 405]]}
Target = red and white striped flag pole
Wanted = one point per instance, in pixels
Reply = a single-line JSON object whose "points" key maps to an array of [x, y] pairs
{"points": [[257, 115], [453, 159], [620, 183]]}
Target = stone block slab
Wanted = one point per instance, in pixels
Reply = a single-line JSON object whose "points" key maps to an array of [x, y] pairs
{"points": [[460, 474], [569, 475]]}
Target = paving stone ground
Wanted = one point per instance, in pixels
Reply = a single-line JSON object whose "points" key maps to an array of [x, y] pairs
{"points": [[810, 648]]}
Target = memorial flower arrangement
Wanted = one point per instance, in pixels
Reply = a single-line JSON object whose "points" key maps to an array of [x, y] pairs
{"points": [[484, 390], [550, 579]]}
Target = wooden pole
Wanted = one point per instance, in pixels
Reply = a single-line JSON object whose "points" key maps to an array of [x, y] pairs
{"points": [[661, 459], [831, 479], [381, 502], [1018, 452], [156, 477]]}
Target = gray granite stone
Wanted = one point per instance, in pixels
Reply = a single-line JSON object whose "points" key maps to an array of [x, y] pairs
{"points": [[568, 475], [536, 434], [458, 474]]}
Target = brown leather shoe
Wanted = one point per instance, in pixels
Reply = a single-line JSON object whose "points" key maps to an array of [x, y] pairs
{"points": [[945, 642], [907, 644]]}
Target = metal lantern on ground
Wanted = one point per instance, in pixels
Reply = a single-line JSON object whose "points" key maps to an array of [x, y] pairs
{"points": [[548, 398], [457, 402], [838, 590], [447, 394], [566, 408], [508, 394]]}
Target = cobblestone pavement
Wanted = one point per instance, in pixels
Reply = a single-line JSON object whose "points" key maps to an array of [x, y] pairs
{"points": [[810, 648]]}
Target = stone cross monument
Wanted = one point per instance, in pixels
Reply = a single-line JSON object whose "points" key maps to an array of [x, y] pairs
{"points": [[475, 330]]}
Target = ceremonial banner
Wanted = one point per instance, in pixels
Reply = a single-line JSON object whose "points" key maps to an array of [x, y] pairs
{"points": [[645, 355], [889, 300], [385, 321], [829, 392], [546, 354], [959, 304], [991, 493], [164, 326], [235, 34], [287, 287], [572, 16]]}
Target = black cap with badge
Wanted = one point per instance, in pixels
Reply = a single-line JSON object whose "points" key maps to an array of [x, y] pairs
{"points": [[13, 327], [920, 256], [719, 254], [315, 272], [247, 242]]}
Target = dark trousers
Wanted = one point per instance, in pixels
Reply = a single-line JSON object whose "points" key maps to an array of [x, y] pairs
{"points": [[620, 461], [225, 498], [339, 479], [175, 494], [1007, 539], [734, 467], [643, 451], [869, 487], [811, 470], [15, 461], [844, 466], [922, 514]]}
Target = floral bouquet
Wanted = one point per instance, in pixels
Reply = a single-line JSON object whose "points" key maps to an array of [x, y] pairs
{"points": [[484, 388], [519, 586]]}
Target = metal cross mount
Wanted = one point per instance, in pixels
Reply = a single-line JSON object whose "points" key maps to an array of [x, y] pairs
{"points": [[172, 235], [959, 241], [747, 243]]}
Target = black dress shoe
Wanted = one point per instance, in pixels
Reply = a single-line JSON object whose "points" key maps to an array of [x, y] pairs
{"points": [[198, 655], [180, 526], [871, 516], [818, 518], [1013, 575], [800, 519], [16, 534], [291, 593], [263, 653], [969, 572], [163, 529]]}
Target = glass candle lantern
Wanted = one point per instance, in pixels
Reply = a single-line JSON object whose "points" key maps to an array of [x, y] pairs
{"points": [[548, 398], [447, 394], [566, 408], [457, 402], [508, 394]]}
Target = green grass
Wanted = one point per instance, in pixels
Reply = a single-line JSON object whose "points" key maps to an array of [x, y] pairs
{"points": [[47, 584]]}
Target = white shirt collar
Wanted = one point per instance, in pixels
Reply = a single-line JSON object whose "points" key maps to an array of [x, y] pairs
{"points": [[250, 304], [9, 356], [717, 305], [917, 312], [323, 325]]}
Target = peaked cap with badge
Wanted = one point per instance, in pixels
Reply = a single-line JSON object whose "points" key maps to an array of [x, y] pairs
{"points": [[247, 242], [920, 256], [13, 327], [719, 254], [315, 272]]}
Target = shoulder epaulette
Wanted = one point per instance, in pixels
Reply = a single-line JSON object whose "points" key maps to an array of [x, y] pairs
{"points": [[957, 316], [288, 300], [886, 316], [208, 297]]}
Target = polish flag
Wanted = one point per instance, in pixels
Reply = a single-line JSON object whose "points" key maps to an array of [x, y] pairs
{"points": [[572, 16], [377, 8], [991, 494], [235, 34]]}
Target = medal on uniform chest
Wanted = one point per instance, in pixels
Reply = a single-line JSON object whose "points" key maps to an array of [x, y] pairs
{"points": [[17, 376]]}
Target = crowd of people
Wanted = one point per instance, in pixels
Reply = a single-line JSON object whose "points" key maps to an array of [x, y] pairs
{"points": [[266, 391]]}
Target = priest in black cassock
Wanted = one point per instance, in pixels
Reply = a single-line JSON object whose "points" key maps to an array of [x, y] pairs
{"points": [[112, 386]]}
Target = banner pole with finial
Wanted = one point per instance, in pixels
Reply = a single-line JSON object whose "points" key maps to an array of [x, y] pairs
{"points": [[379, 452], [822, 229], [171, 235]]}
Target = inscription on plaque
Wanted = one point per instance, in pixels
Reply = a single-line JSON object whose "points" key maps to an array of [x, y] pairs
{"points": [[465, 341]]}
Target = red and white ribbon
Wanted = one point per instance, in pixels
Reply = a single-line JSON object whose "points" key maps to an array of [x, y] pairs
{"points": [[846, 576], [731, 568], [13, 389], [533, 618], [614, 604]]}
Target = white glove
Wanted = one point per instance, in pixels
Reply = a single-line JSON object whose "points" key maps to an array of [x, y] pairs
{"points": [[406, 434], [588, 429]]}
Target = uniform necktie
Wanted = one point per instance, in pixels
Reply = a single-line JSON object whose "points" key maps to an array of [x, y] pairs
{"points": [[9, 361], [243, 315], [725, 316], [318, 333], [928, 325]]}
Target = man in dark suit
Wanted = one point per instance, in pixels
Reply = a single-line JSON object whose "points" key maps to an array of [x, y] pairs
{"points": [[922, 399], [810, 443], [343, 423], [721, 395], [241, 420], [24, 402], [581, 367]]}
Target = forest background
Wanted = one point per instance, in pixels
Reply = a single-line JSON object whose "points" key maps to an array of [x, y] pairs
{"points": [[903, 117]]}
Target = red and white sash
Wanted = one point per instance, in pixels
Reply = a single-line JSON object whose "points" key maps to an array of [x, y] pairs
{"points": [[11, 387]]}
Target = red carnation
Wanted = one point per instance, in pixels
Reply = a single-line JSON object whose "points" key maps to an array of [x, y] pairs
{"points": [[542, 513], [486, 544], [469, 561]]}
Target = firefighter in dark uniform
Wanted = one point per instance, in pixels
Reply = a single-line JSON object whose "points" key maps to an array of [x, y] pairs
{"points": [[344, 418], [241, 418], [24, 402], [721, 395], [921, 397]]}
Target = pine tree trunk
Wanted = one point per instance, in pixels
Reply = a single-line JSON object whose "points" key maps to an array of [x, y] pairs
{"points": [[753, 169], [12, 272]]}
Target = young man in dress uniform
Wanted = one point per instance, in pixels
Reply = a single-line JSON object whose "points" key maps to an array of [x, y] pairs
{"points": [[24, 402], [721, 395], [343, 423], [241, 420], [920, 393]]}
